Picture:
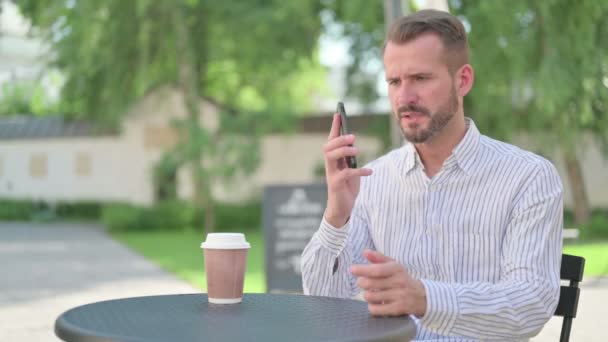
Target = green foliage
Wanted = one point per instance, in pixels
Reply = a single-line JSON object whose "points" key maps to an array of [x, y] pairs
{"points": [[540, 66], [361, 23], [15, 100], [568, 218], [239, 217], [24, 210], [18, 98], [118, 216], [244, 56], [597, 227], [179, 215], [122, 217], [81, 210], [248, 54], [595, 254], [169, 215], [16, 210]]}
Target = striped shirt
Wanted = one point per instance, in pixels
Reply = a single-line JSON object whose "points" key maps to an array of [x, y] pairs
{"points": [[484, 236]]}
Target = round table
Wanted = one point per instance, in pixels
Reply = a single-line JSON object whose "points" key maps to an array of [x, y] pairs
{"points": [[260, 317]]}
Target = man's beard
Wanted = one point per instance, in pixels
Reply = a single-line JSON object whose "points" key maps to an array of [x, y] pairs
{"points": [[438, 120]]}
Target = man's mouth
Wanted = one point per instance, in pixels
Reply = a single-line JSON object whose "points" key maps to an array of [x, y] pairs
{"points": [[411, 115]]}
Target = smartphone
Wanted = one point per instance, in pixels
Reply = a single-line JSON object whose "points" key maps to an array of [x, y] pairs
{"points": [[351, 161]]}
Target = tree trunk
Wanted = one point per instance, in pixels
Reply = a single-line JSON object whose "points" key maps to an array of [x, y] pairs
{"points": [[209, 214], [577, 186], [188, 80], [394, 9]]}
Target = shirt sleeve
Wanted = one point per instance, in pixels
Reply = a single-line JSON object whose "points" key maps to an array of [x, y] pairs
{"points": [[525, 298], [327, 258]]}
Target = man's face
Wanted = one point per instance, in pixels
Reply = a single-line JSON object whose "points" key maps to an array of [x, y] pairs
{"points": [[420, 87]]}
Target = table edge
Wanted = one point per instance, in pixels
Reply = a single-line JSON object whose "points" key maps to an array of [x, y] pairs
{"points": [[67, 331]]}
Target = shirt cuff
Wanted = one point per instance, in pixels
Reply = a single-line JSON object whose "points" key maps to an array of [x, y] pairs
{"points": [[441, 307], [332, 238]]}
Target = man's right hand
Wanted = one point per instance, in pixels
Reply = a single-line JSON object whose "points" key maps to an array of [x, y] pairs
{"points": [[342, 181]]}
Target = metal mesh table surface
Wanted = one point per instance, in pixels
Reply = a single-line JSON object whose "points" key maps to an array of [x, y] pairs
{"points": [[260, 317]]}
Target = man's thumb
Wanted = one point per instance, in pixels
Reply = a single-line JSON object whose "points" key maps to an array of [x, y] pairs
{"points": [[375, 257]]}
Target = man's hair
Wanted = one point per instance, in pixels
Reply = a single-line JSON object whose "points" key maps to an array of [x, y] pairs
{"points": [[446, 26]]}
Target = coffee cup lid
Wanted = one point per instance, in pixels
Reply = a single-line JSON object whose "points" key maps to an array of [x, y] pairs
{"points": [[225, 241]]}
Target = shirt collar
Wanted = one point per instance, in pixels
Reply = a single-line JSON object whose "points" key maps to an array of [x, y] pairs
{"points": [[411, 157], [463, 155], [466, 150]]}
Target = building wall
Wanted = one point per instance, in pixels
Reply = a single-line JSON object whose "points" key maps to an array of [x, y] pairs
{"points": [[121, 167], [110, 178], [288, 159]]}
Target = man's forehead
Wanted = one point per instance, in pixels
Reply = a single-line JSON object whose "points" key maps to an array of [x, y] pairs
{"points": [[423, 54]]}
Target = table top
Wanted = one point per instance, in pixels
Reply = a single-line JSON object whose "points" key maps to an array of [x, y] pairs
{"points": [[260, 317]]}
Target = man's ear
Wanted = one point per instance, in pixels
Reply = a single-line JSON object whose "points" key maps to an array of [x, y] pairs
{"points": [[465, 77]]}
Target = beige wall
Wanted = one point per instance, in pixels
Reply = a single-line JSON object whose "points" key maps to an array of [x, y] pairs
{"points": [[120, 167], [111, 178], [288, 159], [149, 127]]}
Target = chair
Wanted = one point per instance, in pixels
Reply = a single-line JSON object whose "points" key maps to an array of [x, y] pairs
{"points": [[572, 270]]}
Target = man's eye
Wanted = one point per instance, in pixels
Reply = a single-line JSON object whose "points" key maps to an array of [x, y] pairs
{"points": [[419, 78], [393, 82]]}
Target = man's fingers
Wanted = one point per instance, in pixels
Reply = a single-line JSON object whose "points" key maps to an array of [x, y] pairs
{"points": [[334, 132], [380, 296], [339, 141], [375, 270], [382, 283], [376, 257], [341, 152], [334, 160], [372, 284], [390, 309], [348, 173]]}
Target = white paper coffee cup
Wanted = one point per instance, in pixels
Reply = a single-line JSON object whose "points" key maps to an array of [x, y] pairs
{"points": [[225, 241], [225, 261]]}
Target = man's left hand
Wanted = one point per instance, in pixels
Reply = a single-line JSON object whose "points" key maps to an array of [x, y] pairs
{"points": [[388, 287]]}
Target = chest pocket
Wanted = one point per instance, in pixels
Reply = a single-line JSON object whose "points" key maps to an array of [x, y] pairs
{"points": [[471, 251]]}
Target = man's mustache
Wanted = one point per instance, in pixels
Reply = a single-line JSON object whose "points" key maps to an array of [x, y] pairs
{"points": [[413, 108]]}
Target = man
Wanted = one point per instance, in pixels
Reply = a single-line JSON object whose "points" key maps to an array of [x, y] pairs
{"points": [[460, 231]]}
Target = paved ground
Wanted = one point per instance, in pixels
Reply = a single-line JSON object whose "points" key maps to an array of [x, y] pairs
{"points": [[590, 323], [47, 269]]}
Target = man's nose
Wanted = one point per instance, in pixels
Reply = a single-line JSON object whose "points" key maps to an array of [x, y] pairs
{"points": [[407, 96]]}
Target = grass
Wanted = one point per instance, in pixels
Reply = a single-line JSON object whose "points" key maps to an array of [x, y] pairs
{"points": [[180, 253], [595, 254]]}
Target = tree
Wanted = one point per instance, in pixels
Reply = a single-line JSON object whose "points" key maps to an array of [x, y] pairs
{"points": [[542, 67], [241, 55], [25, 97]]}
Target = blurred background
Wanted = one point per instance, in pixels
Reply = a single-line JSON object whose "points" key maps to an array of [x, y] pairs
{"points": [[130, 129]]}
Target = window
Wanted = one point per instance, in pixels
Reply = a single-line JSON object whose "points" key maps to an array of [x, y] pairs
{"points": [[38, 165], [159, 137], [82, 164]]}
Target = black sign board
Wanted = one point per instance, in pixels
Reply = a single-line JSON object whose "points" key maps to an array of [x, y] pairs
{"points": [[292, 214]]}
